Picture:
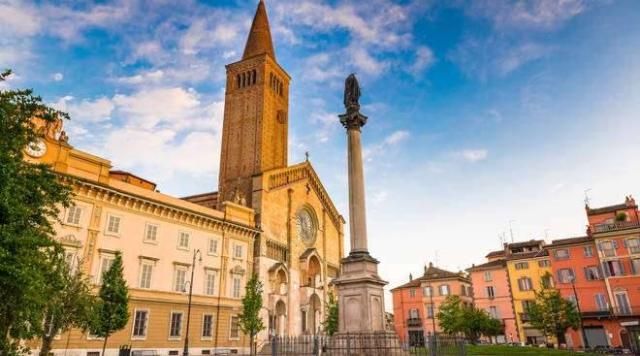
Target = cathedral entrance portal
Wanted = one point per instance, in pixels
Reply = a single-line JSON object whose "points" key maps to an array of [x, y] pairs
{"points": [[315, 314]]}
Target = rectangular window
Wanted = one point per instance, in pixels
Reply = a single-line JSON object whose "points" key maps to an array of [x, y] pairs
{"points": [[561, 254], [146, 270], [487, 276], [234, 330], [176, 324], [544, 263], [565, 275], [490, 292], [183, 240], [444, 289], [179, 278], [588, 251], [413, 313], [493, 311], [426, 291], [524, 284], [140, 323], [73, 217], [105, 264], [633, 245], [601, 302], [430, 312], [612, 268], [608, 248], [237, 251], [207, 325], [213, 246], [522, 265], [210, 283], [592, 273], [113, 225], [151, 233], [236, 287], [623, 304], [635, 265], [412, 293], [547, 281]]}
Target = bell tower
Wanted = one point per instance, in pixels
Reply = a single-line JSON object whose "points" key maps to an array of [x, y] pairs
{"points": [[255, 127]]}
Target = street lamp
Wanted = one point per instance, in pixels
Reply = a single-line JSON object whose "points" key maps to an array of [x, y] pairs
{"points": [[575, 295], [196, 253]]}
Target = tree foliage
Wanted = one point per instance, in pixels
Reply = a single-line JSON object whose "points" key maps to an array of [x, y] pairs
{"points": [[30, 199], [456, 318], [552, 314], [70, 301], [112, 308], [250, 321], [331, 323]]}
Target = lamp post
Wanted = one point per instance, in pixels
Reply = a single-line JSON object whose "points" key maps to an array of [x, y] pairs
{"points": [[575, 295], [196, 252]]}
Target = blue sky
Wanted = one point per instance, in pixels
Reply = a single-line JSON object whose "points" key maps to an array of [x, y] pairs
{"points": [[481, 112]]}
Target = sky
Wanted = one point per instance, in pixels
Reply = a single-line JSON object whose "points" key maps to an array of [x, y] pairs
{"points": [[482, 114]]}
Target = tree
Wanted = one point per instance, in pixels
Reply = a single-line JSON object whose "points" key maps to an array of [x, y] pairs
{"points": [[30, 198], [70, 301], [250, 321], [552, 314], [112, 308], [331, 323], [456, 318], [450, 315]]}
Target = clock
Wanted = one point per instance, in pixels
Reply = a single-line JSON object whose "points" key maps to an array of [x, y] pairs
{"points": [[307, 227], [36, 149]]}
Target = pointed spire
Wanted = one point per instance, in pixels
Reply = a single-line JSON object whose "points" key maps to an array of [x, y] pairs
{"points": [[259, 41]]}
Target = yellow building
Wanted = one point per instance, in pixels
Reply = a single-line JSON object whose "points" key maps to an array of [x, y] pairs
{"points": [[528, 267], [268, 217]]}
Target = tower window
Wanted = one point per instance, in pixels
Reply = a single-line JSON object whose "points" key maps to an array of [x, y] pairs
{"points": [[238, 81], [254, 77], [244, 79]]}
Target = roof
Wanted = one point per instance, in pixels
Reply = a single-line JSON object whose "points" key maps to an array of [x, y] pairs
{"points": [[432, 273], [259, 40], [525, 243], [488, 265], [495, 253], [570, 241], [525, 255], [629, 203]]}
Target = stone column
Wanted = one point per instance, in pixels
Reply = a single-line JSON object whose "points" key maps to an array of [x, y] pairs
{"points": [[357, 212]]}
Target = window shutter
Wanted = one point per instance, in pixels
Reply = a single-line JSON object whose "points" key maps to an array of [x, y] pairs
{"points": [[615, 244], [625, 243]]}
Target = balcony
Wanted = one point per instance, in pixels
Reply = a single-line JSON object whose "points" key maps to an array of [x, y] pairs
{"points": [[596, 314], [615, 226], [413, 322], [628, 311], [524, 317]]}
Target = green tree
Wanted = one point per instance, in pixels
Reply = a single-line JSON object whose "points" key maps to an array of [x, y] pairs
{"points": [[30, 198], [250, 322], [112, 308], [456, 318], [552, 314], [70, 301], [450, 315], [331, 323]]}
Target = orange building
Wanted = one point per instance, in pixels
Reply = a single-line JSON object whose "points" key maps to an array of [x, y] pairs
{"points": [[416, 303], [492, 293]]}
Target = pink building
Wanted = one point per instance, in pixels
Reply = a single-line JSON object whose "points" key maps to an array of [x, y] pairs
{"points": [[492, 292]]}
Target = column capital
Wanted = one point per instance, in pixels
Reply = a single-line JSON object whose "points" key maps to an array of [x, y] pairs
{"points": [[353, 119]]}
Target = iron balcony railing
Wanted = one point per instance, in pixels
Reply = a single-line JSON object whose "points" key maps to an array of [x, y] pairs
{"points": [[414, 322], [615, 226], [596, 313]]}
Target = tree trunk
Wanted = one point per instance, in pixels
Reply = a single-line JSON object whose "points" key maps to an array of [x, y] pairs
{"points": [[45, 348], [104, 344]]}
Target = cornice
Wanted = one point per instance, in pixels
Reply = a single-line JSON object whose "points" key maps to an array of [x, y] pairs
{"points": [[99, 192]]}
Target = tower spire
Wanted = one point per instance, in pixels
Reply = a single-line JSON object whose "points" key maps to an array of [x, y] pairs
{"points": [[259, 40]]}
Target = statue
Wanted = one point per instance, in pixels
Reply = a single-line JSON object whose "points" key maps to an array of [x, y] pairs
{"points": [[351, 92]]}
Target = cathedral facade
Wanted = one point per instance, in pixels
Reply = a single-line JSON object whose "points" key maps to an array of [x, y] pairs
{"points": [[268, 217]]}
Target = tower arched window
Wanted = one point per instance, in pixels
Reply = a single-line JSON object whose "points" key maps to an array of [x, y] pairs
{"points": [[238, 81], [244, 79], [254, 77]]}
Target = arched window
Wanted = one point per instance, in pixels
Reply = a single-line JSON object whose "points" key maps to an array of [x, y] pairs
{"points": [[238, 81], [244, 80], [254, 77]]}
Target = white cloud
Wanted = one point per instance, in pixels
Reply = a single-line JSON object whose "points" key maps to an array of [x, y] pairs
{"points": [[473, 155], [148, 108], [86, 111], [147, 77], [365, 62], [424, 58], [57, 77], [204, 33], [396, 137], [17, 18], [539, 14], [393, 139]]}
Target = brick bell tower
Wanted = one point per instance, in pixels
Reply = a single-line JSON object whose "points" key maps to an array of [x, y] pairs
{"points": [[254, 133]]}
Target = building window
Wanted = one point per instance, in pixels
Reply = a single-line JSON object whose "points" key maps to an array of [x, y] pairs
{"points": [[592, 273], [210, 283], [207, 325], [413, 313], [547, 281], [105, 264], [235, 293], [74, 214], [522, 265], [212, 247], [146, 270], [635, 265], [426, 291], [612, 268], [487, 276], [524, 284], [151, 233], [412, 293], [176, 325], [622, 302], [588, 251], [234, 330], [140, 323], [633, 245], [183, 240], [490, 292], [607, 248], [565, 275], [571, 298], [237, 251], [444, 289], [179, 278], [544, 263], [113, 225], [561, 254], [601, 302], [430, 312], [493, 311]]}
